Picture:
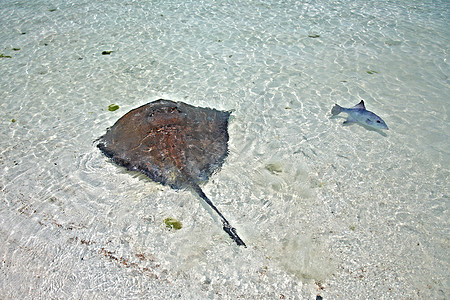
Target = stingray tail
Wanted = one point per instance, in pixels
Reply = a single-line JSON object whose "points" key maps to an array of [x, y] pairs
{"points": [[226, 225]]}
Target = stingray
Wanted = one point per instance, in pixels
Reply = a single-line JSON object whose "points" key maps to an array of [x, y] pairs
{"points": [[173, 143]]}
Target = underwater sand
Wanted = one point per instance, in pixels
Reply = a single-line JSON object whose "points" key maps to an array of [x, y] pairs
{"points": [[325, 209]]}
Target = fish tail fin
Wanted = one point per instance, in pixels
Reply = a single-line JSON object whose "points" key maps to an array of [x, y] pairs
{"points": [[336, 110], [230, 230]]}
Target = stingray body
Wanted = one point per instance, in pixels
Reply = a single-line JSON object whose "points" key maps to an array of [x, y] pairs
{"points": [[173, 143]]}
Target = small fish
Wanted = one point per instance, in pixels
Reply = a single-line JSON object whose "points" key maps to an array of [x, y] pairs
{"points": [[359, 114]]}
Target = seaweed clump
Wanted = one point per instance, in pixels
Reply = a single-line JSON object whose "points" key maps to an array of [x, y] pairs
{"points": [[113, 107], [173, 223]]}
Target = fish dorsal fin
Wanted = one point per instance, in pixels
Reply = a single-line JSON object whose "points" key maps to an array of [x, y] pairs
{"points": [[360, 105]]}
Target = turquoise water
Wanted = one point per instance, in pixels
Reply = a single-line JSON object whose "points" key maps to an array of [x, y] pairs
{"points": [[325, 209]]}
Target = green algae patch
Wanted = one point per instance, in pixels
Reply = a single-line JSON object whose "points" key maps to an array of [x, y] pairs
{"points": [[393, 43], [113, 107], [173, 223], [371, 72], [274, 168], [13, 120]]}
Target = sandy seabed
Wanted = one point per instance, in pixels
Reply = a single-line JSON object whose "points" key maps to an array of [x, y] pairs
{"points": [[337, 211]]}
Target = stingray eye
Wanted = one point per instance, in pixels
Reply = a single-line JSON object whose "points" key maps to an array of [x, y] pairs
{"points": [[378, 121], [152, 113]]}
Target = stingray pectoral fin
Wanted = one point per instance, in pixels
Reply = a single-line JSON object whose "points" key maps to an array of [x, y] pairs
{"points": [[230, 230]]}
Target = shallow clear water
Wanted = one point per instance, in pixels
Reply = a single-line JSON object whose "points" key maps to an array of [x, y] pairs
{"points": [[338, 211]]}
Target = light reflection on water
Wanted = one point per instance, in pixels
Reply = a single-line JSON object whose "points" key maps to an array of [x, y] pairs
{"points": [[325, 209]]}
